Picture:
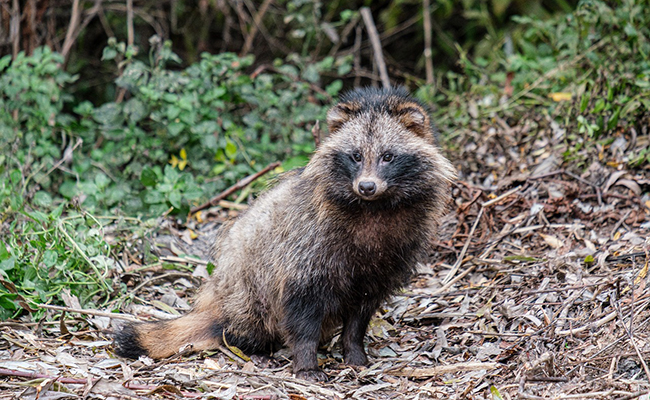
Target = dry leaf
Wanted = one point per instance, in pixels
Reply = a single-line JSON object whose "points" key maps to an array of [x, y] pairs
{"points": [[642, 274], [211, 364], [552, 241]]}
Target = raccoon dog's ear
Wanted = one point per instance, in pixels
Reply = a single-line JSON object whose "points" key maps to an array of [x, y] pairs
{"points": [[415, 118], [340, 114]]}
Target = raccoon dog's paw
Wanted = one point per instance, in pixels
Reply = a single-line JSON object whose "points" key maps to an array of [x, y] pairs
{"points": [[356, 358], [312, 375]]}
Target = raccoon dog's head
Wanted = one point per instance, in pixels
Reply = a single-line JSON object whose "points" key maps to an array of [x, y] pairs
{"points": [[381, 150]]}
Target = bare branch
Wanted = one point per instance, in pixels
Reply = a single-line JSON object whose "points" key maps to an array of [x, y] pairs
{"points": [[257, 20], [70, 36], [428, 54], [237, 186], [129, 22], [376, 45], [14, 27]]}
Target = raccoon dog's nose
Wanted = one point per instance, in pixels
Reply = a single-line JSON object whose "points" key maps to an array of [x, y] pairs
{"points": [[367, 188]]}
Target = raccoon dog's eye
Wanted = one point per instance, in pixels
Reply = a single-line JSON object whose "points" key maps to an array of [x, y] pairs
{"points": [[387, 157], [356, 156]]}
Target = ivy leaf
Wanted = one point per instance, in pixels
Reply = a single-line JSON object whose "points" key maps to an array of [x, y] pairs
{"points": [[148, 177]]}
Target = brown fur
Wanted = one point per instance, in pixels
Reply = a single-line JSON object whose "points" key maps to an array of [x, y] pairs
{"points": [[318, 251]]}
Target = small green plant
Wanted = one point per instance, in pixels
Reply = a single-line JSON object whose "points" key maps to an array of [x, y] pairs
{"points": [[49, 253]]}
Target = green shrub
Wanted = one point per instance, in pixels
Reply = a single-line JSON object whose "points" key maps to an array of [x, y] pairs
{"points": [[172, 138]]}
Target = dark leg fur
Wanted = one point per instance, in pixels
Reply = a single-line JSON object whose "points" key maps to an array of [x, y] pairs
{"points": [[127, 343], [303, 323], [354, 330]]}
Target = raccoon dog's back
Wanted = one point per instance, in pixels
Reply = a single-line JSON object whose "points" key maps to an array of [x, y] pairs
{"points": [[325, 246]]}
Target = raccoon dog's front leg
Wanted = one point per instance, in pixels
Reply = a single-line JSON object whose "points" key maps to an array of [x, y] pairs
{"points": [[303, 320], [354, 330]]}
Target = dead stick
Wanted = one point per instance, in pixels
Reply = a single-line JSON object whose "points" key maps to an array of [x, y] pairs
{"points": [[634, 395], [257, 20], [89, 312], [315, 133], [79, 381], [444, 369], [357, 55], [459, 260], [428, 53], [376, 45], [14, 27], [329, 393], [129, 22], [630, 335], [69, 36], [237, 186], [34, 375]]}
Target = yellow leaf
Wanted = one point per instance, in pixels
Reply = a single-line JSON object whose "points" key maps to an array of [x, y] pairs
{"points": [[182, 164], [193, 234], [183, 154], [560, 96], [642, 274], [174, 161], [236, 350], [198, 216], [617, 235]]}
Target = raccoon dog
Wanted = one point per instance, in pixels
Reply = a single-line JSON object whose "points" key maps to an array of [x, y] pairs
{"points": [[325, 246]]}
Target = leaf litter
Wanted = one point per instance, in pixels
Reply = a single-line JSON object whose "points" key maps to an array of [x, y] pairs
{"points": [[536, 289]]}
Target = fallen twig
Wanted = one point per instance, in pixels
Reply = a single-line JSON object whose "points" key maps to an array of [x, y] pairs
{"points": [[96, 313], [315, 133], [444, 369], [237, 186], [186, 260], [634, 395], [284, 379], [81, 381], [461, 256], [628, 331], [597, 189]]}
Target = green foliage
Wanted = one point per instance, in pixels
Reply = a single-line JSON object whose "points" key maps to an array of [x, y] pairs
{"points": [[589, 70], [172, 138], [32, 125], [225, 122]]}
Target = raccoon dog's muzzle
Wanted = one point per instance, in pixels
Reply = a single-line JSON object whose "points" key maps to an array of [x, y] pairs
{"points": [[369, 187]]}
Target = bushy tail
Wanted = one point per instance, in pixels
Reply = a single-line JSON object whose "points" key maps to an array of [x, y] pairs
{"points": [[201, 328]]}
